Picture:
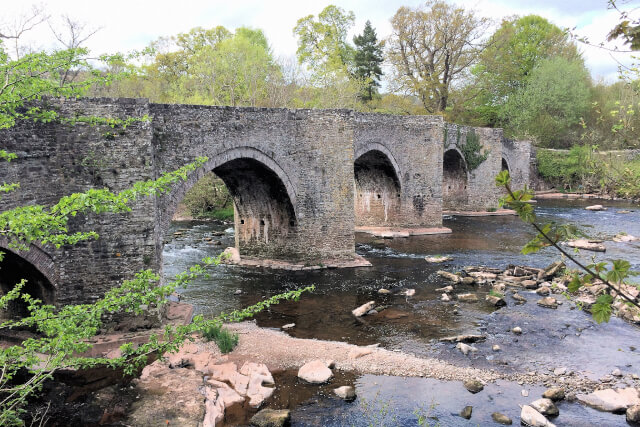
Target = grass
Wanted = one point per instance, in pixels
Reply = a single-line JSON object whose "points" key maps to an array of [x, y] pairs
{"points": [[495, 294], [223, 214], [225, 340]]}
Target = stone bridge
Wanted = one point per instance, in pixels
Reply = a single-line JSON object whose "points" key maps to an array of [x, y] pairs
{"points": [[301, 180]]}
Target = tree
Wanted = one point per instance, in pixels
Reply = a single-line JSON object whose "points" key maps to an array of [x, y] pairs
{"points": [[322, 43], [367, 60], [431, 48], [552, 103], [512, 53]]}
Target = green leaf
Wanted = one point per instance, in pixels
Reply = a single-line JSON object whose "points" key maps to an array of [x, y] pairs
{"points": [[602, 308]]}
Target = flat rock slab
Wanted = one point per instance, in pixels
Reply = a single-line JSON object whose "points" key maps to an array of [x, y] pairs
{"points": [[469, 338], [271, 418], [390, 233], [610, 400], [587, 245], [596, 208], [315, 372]]}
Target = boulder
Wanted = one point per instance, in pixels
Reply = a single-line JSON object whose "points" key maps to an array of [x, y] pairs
{"points": [[588, 245], [272, 418], [363, 309], [530, 284], [633, 414], [548, 302], [554, 393], [531, 417], [495, 301], [553, 269], [501, 419], [436, 259], [610, 400], [231, 256], [466, 412], [258, 375], [499, 287], [449, 276], [596, 208], [467, 297], [468, 280], [474, 386], [345, 392], [483, 276], [545, 407], [315, 372]]}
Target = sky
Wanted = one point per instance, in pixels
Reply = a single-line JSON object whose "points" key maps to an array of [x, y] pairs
{"points": [[126, 25]]}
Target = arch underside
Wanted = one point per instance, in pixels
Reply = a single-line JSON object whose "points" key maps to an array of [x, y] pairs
{"points": [[265, 220], [13, 269], [454, 185], [377, 190]]}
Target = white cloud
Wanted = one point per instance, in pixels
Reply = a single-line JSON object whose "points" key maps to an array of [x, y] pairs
{"points": [[128, 25]]}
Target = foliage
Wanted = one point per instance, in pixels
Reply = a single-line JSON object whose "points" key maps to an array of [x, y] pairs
{"points": [[208, 196], [517, 47], [367, 60], [551, 104], [552, 234], [585, 169], [472, 150], [322, 42], [225, 340], [628, 29], [431, 48]]}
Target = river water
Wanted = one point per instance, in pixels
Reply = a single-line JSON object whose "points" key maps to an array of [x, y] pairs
{"points": [[565, 337]]}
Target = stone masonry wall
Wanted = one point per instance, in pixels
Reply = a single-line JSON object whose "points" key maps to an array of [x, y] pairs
{"points": [[412, 144]]}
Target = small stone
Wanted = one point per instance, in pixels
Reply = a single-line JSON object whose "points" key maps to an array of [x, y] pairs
{"points": [[384, 291], [271, 418], [288, 326], [449, 276], [548, 302], [543, 290], [363, 309], [519, 298], [596, 208], [465, 348], [633, 414], [554, 393], [466, 412], [530, 284], [560, 371], [468, 280], [545, 407], [437, 259], [409, 292], [446, 289], [524, 393], [445, 298], [238, 292], [517, 330], [501, 419], [345, 392], [496, 347], [635, 376], [474, 386], [616, 373]]}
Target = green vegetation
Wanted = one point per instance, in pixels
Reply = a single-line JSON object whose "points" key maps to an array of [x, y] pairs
{"points": [[584, 169], [225, 340], [472, 150], [209, 198]]}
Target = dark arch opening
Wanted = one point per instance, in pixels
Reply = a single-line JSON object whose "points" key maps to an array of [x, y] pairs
{"points": [[377, 189], [13, 269], [505, 165], [265, 218], [454, 185]]}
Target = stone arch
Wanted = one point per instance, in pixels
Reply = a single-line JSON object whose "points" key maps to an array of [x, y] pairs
{"points": [[264, 199], [454, 180], [377, 186], [505, 165], [35, 266]]}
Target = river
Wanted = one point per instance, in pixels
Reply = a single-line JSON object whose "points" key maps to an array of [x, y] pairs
{"points": [[565, 337]]}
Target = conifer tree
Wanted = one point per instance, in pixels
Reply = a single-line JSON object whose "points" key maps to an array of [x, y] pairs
{"points": [[368, 57]]}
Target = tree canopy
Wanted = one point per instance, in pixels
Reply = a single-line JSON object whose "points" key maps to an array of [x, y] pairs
{"points": [[367, 60]]}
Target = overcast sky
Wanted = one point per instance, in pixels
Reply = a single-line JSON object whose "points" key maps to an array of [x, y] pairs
{"points": [[132, 24]]}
